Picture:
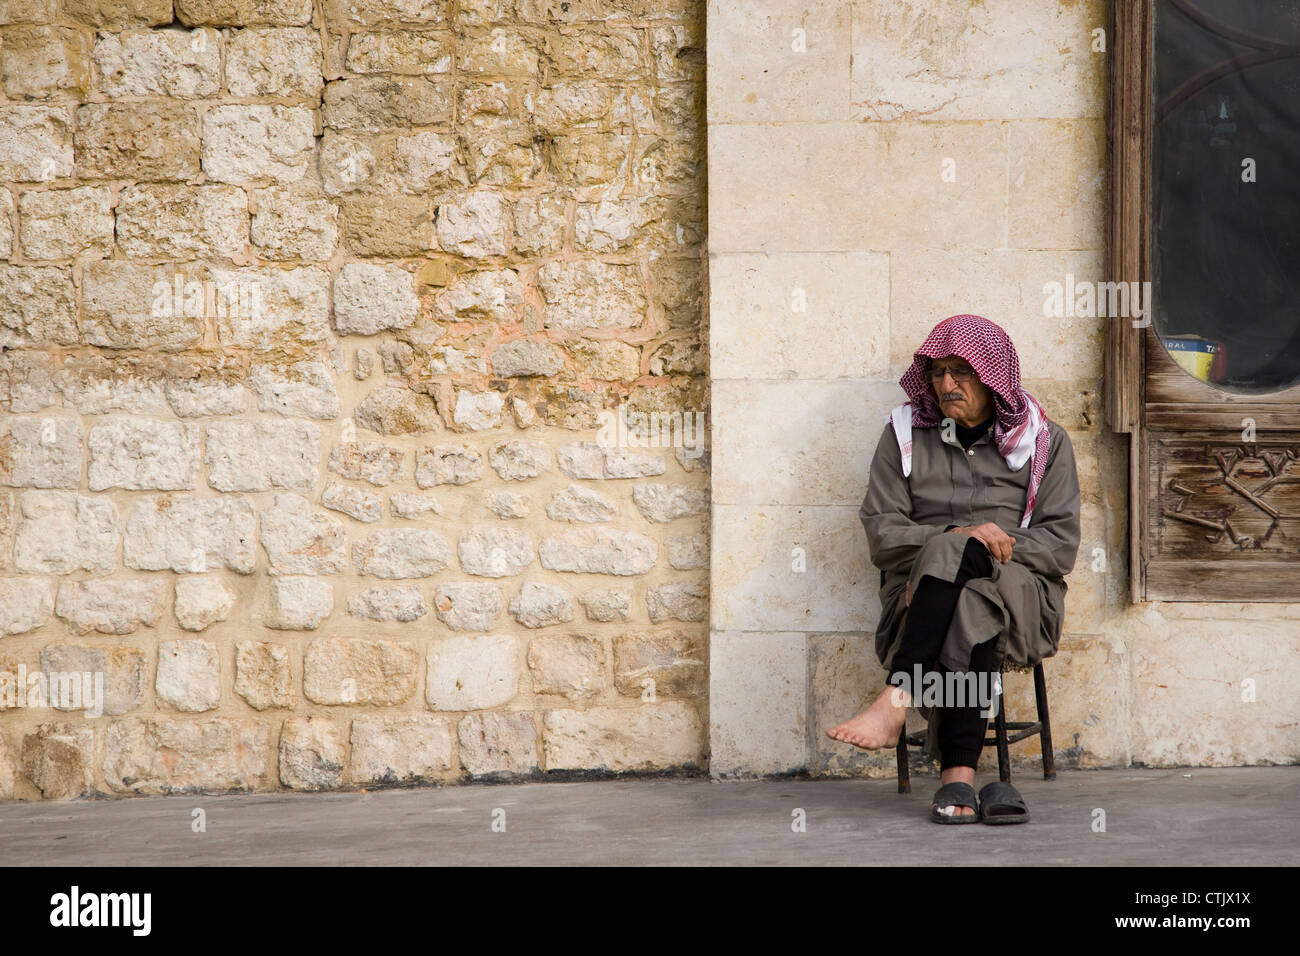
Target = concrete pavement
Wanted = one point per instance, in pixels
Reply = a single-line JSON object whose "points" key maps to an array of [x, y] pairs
{"points": [[1193, 817]]}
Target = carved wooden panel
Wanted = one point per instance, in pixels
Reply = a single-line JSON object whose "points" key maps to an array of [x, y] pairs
{"points": [[1223, 499], [1222, 517]]}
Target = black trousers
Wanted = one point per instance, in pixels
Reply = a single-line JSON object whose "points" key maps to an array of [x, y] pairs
{"points": [[961, 729]]}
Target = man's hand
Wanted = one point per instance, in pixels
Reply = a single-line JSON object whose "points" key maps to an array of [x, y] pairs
{"points": [[994, 538]]}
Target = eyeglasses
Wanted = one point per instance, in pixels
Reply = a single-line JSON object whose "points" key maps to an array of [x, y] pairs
{"points": [[958, 374]]}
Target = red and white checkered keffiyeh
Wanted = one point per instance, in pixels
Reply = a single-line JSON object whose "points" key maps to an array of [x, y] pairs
{"points": [[1020, 426]]}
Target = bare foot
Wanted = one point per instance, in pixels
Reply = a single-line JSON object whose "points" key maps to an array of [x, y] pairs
{"points": [[879, 724]]}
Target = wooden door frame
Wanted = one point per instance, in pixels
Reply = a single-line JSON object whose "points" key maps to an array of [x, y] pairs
{"points": [[1128, 151], [1147, 395]]}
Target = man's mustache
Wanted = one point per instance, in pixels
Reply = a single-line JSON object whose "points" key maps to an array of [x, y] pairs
{"points": [[952, 397]]}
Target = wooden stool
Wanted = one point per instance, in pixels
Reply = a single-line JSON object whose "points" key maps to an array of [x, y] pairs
{"points": [[1022, 729]]}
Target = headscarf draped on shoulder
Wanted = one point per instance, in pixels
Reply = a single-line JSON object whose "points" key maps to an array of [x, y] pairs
{"points": [[1020, 425]]}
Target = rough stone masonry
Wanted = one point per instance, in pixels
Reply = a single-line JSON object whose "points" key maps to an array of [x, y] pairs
{"points": [[309, 312]]}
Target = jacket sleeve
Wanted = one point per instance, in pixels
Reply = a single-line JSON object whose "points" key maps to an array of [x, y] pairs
{"points": [[1051, 542], [892, 536]]}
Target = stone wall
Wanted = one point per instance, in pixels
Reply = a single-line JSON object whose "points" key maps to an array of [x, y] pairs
{"points": [[874, 168], [309, 315]]}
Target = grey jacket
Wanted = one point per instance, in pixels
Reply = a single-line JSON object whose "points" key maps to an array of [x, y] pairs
{"points": [[1023, 603]]}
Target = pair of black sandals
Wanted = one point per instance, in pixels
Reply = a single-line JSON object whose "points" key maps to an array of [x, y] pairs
{"points": [[998, 803]]}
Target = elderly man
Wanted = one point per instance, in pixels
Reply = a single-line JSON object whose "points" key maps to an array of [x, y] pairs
{"points": [[972, 516]]}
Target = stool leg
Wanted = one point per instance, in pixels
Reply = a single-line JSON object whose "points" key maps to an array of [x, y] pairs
{"points": [[1044, 735], [1004, 752], [904, 776]]}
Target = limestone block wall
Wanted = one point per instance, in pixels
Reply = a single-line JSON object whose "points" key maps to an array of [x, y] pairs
{"points": [[875, 167], [310, 313]]}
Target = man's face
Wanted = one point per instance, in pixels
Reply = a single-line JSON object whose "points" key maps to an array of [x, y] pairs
{"points": [[967, 402]]}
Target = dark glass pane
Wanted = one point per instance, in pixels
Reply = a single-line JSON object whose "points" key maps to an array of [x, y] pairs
{"points": [[1225, 251]]}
